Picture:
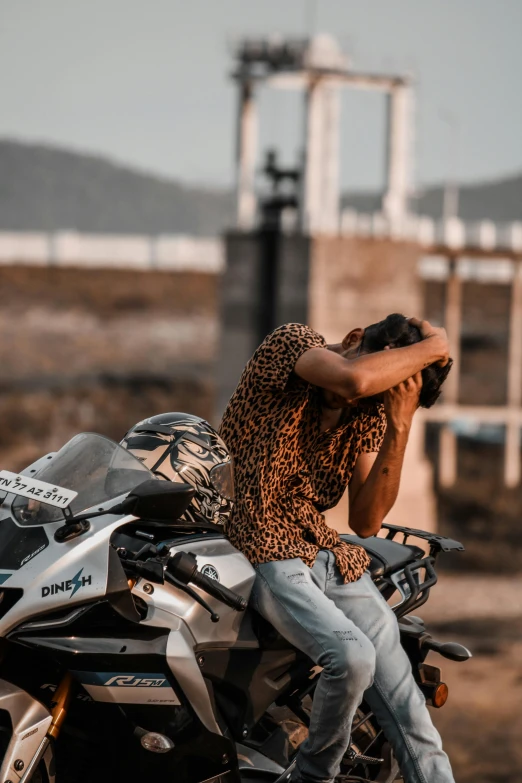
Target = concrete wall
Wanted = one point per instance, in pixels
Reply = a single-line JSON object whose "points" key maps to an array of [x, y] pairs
{"points": [[70, 248], [238, 298], [240, 301], [293, 280], [355, 282]]}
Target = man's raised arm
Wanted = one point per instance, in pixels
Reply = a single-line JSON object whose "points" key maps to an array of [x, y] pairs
{"points": [[373, 373]]}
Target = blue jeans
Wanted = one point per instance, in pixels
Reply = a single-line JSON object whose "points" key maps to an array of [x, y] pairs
{"points": [[351, 632]]}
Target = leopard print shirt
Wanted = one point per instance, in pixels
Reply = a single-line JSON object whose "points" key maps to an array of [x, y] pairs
{"points": [[286, 471]]}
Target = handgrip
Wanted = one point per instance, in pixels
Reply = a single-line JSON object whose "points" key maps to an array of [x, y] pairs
{"points": [[219, 591], [183, 566]]}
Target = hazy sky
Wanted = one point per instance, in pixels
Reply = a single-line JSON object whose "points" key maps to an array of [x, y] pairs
{"points": [[146, 81]]}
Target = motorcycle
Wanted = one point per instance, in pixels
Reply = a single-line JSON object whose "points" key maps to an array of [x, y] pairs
{"points": [[127, 648]]}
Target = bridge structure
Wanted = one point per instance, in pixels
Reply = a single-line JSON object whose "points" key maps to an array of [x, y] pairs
{"points": [[318, 68], [303, 258]]}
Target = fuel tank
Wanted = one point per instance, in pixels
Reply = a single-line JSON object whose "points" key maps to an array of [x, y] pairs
{"points": [[168, 606]]}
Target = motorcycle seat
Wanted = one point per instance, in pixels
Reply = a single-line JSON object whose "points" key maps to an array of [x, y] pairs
{"points": [[386, 555]]}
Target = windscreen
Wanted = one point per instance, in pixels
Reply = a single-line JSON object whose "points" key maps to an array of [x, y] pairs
{"points": [[95, 467]]}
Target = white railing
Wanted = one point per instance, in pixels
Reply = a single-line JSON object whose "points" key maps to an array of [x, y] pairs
{"points": [[453, 233], [68, 248], [185, 253]]}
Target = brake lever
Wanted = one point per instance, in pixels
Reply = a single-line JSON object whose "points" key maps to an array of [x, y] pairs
{"points": [[146, 549], [189, 591]]}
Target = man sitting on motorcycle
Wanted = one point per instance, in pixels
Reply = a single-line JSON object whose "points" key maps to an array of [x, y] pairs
{"points": [[307, 420]]}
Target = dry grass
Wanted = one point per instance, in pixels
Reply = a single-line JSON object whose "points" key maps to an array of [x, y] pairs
{"points": [[99, 350], [108, 292], [38, 422]]}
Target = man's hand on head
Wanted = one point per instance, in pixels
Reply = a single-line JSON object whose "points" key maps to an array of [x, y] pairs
{"points": [[401, 402], [434, 333], [372, 372]]}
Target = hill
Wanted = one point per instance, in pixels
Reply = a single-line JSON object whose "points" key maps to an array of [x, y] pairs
{"points": [[44, 188], [500, 201]]}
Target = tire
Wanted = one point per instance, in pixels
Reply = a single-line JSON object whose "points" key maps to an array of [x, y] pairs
{"points": [[40, 773]]}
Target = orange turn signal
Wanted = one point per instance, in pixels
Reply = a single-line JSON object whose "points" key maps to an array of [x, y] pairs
{"points": [[440, 695]]}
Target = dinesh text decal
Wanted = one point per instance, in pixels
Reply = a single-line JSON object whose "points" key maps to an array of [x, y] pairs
{"points": [[76, 583]]}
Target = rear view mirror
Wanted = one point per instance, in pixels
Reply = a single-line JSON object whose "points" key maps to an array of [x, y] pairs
{"points": [[158, 501]]}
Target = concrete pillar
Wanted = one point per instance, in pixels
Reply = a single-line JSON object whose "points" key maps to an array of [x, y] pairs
{"points": [[314, 128], [242, 306], [320, 211], [415, 504], [453, 320], [239, 313], [330, 165], [246, 158], [512, 453], [399, 153], [514, 382], [447, 456]]}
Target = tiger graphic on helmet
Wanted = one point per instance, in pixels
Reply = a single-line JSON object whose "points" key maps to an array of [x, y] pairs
{"points": [[184, 448]]}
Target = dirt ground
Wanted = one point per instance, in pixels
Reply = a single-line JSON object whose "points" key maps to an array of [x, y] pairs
{"points": [[481, 723]]}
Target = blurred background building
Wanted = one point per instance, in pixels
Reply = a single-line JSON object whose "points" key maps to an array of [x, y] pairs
{"points": [[126, 292]]}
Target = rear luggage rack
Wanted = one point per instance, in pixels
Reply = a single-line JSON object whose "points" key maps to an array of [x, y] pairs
{"points": [[414, 593], [437, 543]]}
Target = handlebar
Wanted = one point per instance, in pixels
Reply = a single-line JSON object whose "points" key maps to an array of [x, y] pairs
{"points": [[180, 570], [183, 566], [219, 591]]}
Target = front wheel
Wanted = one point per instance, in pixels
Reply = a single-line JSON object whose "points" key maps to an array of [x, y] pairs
{"points": [[40, 775]]}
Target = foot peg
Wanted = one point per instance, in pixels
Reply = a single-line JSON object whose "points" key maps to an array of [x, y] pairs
{"points": [[352, 758]]}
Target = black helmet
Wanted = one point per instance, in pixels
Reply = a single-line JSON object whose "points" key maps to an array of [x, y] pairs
{"points": [[184, 448]]}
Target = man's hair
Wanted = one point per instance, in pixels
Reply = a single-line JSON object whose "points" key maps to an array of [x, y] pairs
{"points": [[396, 331]]}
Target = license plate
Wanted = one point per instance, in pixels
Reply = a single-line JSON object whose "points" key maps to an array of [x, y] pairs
{"points": [[51, 494]]}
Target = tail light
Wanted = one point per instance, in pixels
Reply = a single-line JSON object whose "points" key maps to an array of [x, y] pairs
{"points": [[440, 695]]}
